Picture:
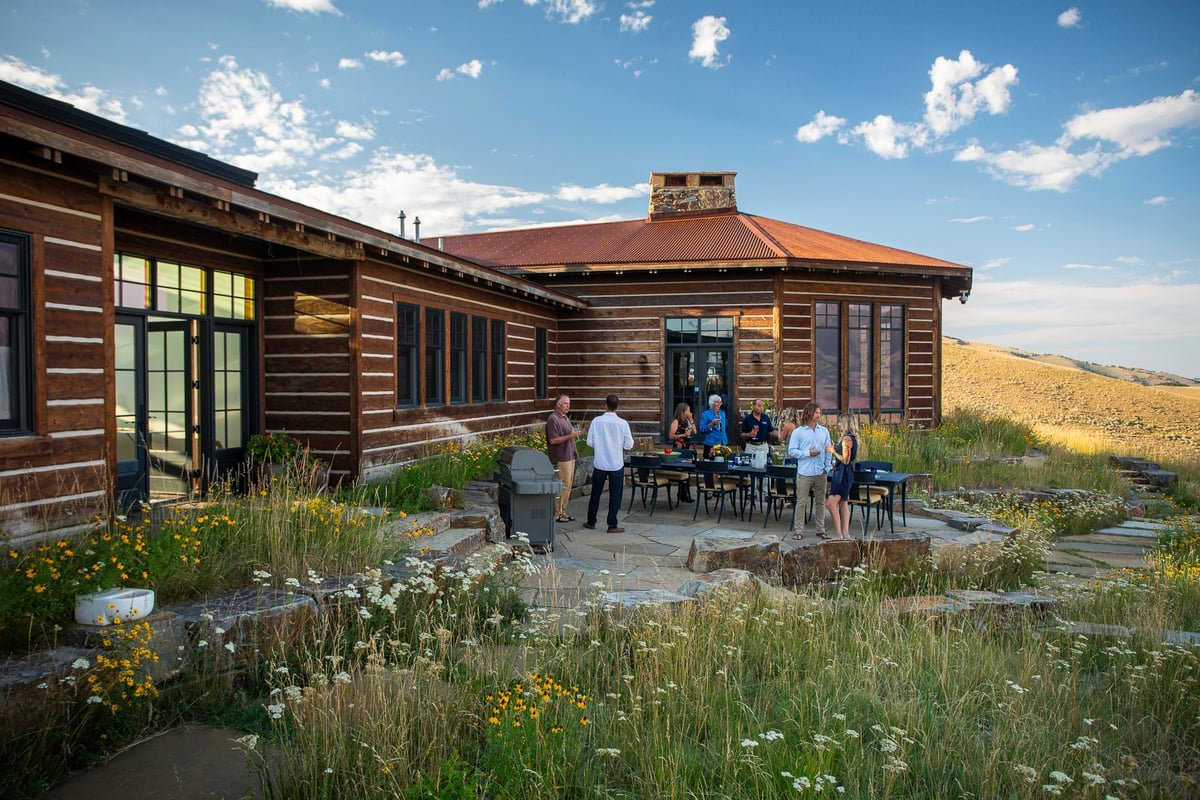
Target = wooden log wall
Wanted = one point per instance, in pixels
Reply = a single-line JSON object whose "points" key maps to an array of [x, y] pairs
{"points": [[618, 345], [53, 478], [309, 366], [391, 435], [922, 333]]}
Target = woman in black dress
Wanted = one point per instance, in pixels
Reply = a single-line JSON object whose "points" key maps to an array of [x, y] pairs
{"points": [[845, 453]]}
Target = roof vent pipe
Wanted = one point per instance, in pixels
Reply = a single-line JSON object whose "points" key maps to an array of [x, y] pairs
{"points": [[417, 230], [440, 243], [401, 218]]}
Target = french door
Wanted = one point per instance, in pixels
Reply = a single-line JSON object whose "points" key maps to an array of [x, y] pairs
{"points": [[181, 401], [695, 374]]}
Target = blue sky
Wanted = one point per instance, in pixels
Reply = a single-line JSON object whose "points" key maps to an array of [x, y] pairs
{"points": [[1052, 147]]}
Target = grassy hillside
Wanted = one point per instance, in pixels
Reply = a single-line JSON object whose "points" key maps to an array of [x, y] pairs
{"points": [[1080, 409], [1145, 377]]}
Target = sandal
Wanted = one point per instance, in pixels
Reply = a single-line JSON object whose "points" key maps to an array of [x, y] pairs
{"points": [[797, 535], [825, 535], [563, 518]]}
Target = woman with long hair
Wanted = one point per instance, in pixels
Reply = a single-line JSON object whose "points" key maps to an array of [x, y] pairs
{"points": [[789, 420], [682, 428], [845, 453]]}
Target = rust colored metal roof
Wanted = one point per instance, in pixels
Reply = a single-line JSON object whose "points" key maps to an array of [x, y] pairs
{"points": [[693, 239]]}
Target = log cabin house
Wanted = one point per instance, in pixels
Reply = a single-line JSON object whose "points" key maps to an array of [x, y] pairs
{"points": [[699, 298], [156, 310]]}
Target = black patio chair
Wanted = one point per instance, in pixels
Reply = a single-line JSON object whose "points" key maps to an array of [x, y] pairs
{"points": [[644, 475], [781, 488], [713, 478]]}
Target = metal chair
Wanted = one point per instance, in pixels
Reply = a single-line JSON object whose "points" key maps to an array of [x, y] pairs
{"points": [[875, 466], [781, 487], [712, 478], [866, 498], [644, 475]]}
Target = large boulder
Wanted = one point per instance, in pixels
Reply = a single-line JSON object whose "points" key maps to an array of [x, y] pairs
{"points": [[896, 552], [717, 579], [810, 562], [757, 556]]}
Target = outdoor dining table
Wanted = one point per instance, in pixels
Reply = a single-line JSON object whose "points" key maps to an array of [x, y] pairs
{"points": [[755, 476], [889, 481]]}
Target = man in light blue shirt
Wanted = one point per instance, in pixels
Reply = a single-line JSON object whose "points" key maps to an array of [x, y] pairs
{"points": [[807, 445], [609, 437]]}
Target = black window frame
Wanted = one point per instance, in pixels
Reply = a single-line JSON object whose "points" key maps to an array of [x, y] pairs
{"points": [[541, 354], [19, 420], [860, 354], [408, 351], [827, 319], [458, 358], [435, 357], [891, 329], [479, 359], [498, 352]]}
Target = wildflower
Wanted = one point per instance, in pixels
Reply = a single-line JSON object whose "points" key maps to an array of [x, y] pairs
{"points": [[1061, 777], [749, 743], [229, 646], [80, 663]]}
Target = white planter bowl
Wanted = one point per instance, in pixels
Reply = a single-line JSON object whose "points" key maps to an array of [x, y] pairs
{"points": [[113, 605]]}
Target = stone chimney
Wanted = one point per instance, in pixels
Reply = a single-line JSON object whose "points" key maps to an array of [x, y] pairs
{"points": [[673, 193]]}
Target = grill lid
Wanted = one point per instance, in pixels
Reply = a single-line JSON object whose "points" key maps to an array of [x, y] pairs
{"points": [[517, 462]]}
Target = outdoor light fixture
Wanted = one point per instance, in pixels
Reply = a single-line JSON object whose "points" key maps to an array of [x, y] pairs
{"points": [[962, 297]]}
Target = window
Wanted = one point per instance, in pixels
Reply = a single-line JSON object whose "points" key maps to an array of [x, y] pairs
{"points": [[478, 359], [132, 274], [828, 356], [180, 289], [498, 360], [859, 357], [149, 284], [233, 295], [408, 357], [540, 365], [699, 330], [891, 358], [15, 382], [458, 357], [435, 356]]}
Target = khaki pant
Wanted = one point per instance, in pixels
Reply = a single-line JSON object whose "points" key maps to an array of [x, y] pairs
{"points": [[819, 485], [566, 474]]}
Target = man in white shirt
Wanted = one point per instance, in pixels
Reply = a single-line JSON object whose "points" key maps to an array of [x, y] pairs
{"points": [[609, 437], [807, 445]]}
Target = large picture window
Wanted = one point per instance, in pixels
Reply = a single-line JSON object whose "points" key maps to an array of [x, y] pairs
{"points": [[858, 357], [458, 357], [15, 381], [498, 358], [435, 356], [828, 356], [891, 358], [479, 385], [408, 356], [540, 365]]}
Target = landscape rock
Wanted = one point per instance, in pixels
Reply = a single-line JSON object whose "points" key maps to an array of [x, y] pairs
{"points": [[27, 683], [717, 579], [639, 598], [486, 519], [922, 481], [892, 552], [1006, 605], [249, 617], [925, 605], [760, 557], [978, 547], [810, 562], [168, 638], [441, 497], [959, 520]]}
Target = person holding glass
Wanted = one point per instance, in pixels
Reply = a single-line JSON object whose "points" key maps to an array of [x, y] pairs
{"points": [[712, 425]]}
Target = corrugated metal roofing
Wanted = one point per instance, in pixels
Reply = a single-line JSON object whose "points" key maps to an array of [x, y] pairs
{"points": [[686, 239]]}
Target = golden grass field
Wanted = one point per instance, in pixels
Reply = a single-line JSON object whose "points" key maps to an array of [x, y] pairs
{"points": [[1081, 410]]}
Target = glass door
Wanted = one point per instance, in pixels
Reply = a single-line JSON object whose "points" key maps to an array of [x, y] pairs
{"points": [[170, 408], [696, 373], [132, 458]]}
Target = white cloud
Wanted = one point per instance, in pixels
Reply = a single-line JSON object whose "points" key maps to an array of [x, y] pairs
{"points": [[1070, 18], [445, 74], [1136, 323], [822, 125], [376, 192], [603, 193], [89, 98], [1090, 267], [1135, 261], [570, 12], [161, 91], [1139, 130], [954, 99], [245, 121], [1028, 226], [1120, 133], [325, 83], [349, 63], [348, 150], [1160, 200], [637, 22], [992, 264], [306, 6], [887, 138], [970, 220], [471, 69], [707, 33], [393, 57], [489, 3], [348, 130]]}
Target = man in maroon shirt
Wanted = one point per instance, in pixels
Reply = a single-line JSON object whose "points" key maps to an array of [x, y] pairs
{"points": [[560, 441]]}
